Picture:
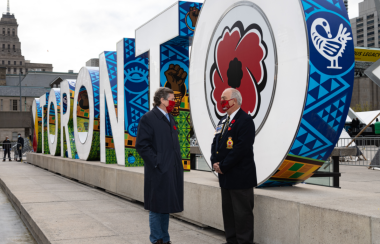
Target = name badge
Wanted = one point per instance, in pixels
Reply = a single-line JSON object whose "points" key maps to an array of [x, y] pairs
{"points": [[218, 129]]}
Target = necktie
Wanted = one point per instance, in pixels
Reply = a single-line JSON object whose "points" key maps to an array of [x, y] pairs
{"points": [[225, 127], [167, 116]]}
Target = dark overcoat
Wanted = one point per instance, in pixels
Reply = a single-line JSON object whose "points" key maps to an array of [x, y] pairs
{"points": [[237, 164], [158, 145], [20, 142]]}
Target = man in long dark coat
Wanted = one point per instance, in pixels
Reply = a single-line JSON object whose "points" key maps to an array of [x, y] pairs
{"points": [[158, 145], [20, 146], [7, 148], [232, 158]]}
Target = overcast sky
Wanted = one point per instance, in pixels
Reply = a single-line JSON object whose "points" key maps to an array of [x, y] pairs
{"points": [[68, 33]]}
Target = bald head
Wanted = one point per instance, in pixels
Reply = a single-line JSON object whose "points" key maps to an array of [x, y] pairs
{"points": [[234, 99], [231, 93]]}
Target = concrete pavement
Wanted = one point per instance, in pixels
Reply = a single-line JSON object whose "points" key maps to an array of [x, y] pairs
{"points": [[12, 229], [360, 178], [66, 212]]}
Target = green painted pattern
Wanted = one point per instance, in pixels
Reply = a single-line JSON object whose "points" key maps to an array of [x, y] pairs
{"points": [[183, 124], [39, 143], [70, 126], [64, 143], [95, 147], [111, 156], [132, 158]]}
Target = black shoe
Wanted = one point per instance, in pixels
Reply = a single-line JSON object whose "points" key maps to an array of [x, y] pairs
{"points": [[10, 160], [169, 242], [159, 242]]}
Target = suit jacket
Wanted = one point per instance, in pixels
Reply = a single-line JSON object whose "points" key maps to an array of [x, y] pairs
{"points": [[237, 164], [157, 143]]}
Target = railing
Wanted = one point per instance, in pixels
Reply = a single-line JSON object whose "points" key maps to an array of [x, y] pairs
{"points": [[368, 151], [12, 146], [14, 149]]}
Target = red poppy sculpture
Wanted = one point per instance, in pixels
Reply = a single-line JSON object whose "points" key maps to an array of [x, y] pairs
{"points": [[239, 63]]}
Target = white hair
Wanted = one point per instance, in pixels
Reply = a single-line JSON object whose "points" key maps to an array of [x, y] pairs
{"points": [[235, 94]]}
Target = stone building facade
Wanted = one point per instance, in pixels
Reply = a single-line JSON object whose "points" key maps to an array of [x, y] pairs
{"points": [[10, 49], [365, 94]]}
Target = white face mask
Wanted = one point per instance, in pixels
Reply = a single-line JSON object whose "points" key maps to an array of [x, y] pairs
{"points": [[19, 136]]}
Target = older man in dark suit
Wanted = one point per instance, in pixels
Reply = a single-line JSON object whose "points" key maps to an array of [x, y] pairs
{"points": [[158, 144], [232, 157]]}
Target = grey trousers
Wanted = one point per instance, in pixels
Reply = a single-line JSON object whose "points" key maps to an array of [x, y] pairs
{"points": [[237, 206]]}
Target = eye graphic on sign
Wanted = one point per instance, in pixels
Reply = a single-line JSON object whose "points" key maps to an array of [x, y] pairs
{"points": [[242, 55]]}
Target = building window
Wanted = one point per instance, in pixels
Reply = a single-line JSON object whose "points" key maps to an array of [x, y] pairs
{"points": [[26, 70], [14, 48], [21, 70], [13, 32], [371, 44], [9, 70], [371, 39], [15, 70], [2, 62], [370, 16], [360, 36], [14, 136], [370, 33], [14, 63], [3, 31], [43, 70], [1, 105], [9, 32], [20, 62], [370, 22], [14, 103], [360, 31], [360, 42], [359, 19], [371, 28], [3, 46], [359, 25], [9, 62]]}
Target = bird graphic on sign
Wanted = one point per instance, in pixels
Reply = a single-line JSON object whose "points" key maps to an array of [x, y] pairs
{"points": [[330, 48]]}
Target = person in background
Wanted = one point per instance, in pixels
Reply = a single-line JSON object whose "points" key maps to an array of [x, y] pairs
{"points": [[357, 125], [7, 148], [157, 143], [353, 125], [20, 146], [233, 159]]}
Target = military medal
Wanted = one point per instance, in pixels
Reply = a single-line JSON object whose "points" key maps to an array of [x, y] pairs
{"points": [[230, 143], [218, 129]]}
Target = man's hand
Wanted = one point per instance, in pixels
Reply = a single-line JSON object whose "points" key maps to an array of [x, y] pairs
{"points": [[176, 77], [217, 168], [194, 13]]}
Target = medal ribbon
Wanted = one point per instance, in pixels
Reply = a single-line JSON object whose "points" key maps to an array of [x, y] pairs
{"points": [[225, 127]]}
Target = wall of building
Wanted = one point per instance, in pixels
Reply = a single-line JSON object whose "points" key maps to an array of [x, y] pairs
{"points": [[365, 28], [6, 103], [365, 93], [11, 132]]}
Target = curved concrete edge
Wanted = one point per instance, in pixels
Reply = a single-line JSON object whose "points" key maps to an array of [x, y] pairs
{"points": [[286, 215], [202, 200], [34, 229]]}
